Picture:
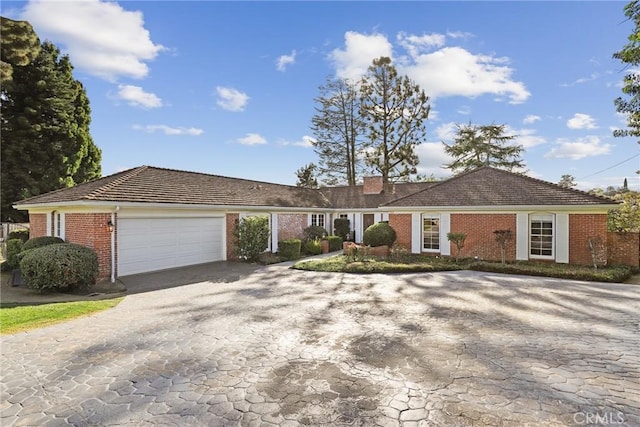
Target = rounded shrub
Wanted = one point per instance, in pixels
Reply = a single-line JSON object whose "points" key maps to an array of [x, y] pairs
{"points": [[335, 243], [289, 249], [14, 247], [379, 234], [22, 234], [314, 232], [313, 247], [38, 242], [62, 266]]}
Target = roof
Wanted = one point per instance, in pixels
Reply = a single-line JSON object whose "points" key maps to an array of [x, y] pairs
{"points": [[158, 185], [487, 186], [484, 186], [353, 197]]}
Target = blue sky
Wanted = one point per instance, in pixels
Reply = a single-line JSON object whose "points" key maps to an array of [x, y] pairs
{"points": [[228, 87]]}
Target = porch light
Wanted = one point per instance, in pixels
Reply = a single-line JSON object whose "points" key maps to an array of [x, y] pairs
{"points": [[110, 225]]}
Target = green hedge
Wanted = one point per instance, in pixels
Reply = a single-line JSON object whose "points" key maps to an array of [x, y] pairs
{"points": [[342, 227], [335, 243], [22, 234], [14, 247], [313, 247], [379, 234], [38, 242], [313, 232], [289, 249], [62, 266]]}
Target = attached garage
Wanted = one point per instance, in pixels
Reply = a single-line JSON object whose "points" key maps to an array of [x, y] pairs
{"points": [[150, 244]]}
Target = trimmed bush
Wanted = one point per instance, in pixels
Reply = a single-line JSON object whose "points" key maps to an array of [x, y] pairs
{"points": [[379, 234], [289, 249], [14, 247], [252, 237], [313, 247], [342, 228], [335, 243], [313, 232], [38, 242], [22, 234], [63, 266]]}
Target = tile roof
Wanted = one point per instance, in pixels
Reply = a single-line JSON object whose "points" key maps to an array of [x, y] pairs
{"points": [[487, 186], [158, 185], [352, 197]]}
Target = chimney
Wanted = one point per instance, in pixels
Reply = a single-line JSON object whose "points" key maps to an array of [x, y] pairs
{"points": [[372, 185]]}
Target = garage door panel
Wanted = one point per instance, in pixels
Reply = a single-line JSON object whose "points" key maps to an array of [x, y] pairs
{"points": [[148, 244]]}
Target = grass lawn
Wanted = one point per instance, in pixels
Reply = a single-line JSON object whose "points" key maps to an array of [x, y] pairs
{"points": [[24, 318], [422, 263]]}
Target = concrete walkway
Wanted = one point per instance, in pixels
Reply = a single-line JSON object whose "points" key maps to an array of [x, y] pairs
{"points": [[284, 347]]}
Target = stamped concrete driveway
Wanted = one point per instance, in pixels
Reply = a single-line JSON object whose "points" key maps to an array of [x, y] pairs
{"points": [[283, 347]]}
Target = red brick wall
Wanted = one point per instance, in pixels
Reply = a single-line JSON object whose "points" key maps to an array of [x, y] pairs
{"points": [[372, 185], [232, 220], [37, 225], [91, 230], [581, 228], [401, 223], [291, 226], [480, 240], [623, 249]]}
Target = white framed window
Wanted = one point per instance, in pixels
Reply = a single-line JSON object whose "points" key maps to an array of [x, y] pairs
{"points": [[541, 236], [343, 216], [58, 224], [317, 219], [431, 233]]}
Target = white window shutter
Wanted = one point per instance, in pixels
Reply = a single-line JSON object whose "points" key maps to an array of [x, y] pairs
{"points": [[416, 233], [49, 224], [522, 236], [445, 227], [62, 225], [562, 238], [357, 226], [274, 232]]}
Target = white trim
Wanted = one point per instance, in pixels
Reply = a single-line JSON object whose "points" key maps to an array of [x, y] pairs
{"points": [[113, 247], [62, 225], [357, 226], [274, 232], [522, 237], [543, 217], [562, 238], [445, 227], [416, 233], [49, 225], [431, 216]]}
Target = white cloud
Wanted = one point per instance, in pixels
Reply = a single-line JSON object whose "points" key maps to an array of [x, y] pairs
{"points": [[101, 38], [168, 130], [137, 97], [581, 80], [432, 158], [531, 118], [285, 60], [359, 52], [252, 139], [231, 99], [447, 132], [448, 71], [527, 137], [464, 110], [581, 121], [306, 141], [589, 146]]}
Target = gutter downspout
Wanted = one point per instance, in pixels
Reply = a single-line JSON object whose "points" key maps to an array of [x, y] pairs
{"points": [[113, 245]]}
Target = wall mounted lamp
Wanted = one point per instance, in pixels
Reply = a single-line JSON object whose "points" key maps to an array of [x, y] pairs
{"points": [[110, 225]]}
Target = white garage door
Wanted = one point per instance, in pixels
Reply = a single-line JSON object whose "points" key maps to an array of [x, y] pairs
{"points": [[150, 244]]}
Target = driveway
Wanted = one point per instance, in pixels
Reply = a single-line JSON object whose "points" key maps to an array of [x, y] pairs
{"points": [[284, 347]]}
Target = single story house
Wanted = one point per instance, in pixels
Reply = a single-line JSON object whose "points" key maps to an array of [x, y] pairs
{"points": [[148, 218]]}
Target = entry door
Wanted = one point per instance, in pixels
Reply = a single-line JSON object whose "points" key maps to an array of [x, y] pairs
{"points": [[367, 221]]}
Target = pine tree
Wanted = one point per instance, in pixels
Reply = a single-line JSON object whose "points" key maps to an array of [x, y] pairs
{"points": [[394, 110], [487, 145], [46, 144], [19, 46], [307, 176]]}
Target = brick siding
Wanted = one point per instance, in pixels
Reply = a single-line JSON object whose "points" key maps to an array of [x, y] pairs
{"points": [[291, 226], [581, 228], [481, 241], [37, 225], [91, 230], [372, 185], [401, 223], [232, 220], [623, 249]]}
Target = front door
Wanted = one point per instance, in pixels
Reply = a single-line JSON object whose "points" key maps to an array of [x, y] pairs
{"points": [[367, 221]]}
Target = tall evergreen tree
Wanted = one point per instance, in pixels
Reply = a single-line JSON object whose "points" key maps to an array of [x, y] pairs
{"points": [[46, 144], [487, 145], [337, 129], [394, 110], [307, 176], [630, 57], [18, 47]]}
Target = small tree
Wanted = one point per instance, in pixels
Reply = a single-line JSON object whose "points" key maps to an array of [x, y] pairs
{"points": [[252, 237], [342, 228], [503, 237], [458, 239], [307, 176], [598, 251], [626, 217], [567, 181]]}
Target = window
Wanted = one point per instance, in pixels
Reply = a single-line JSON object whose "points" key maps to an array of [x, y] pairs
{"points": [[57, 224], [431, 233], [343, 216], [541, 236], [317, 219]]}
